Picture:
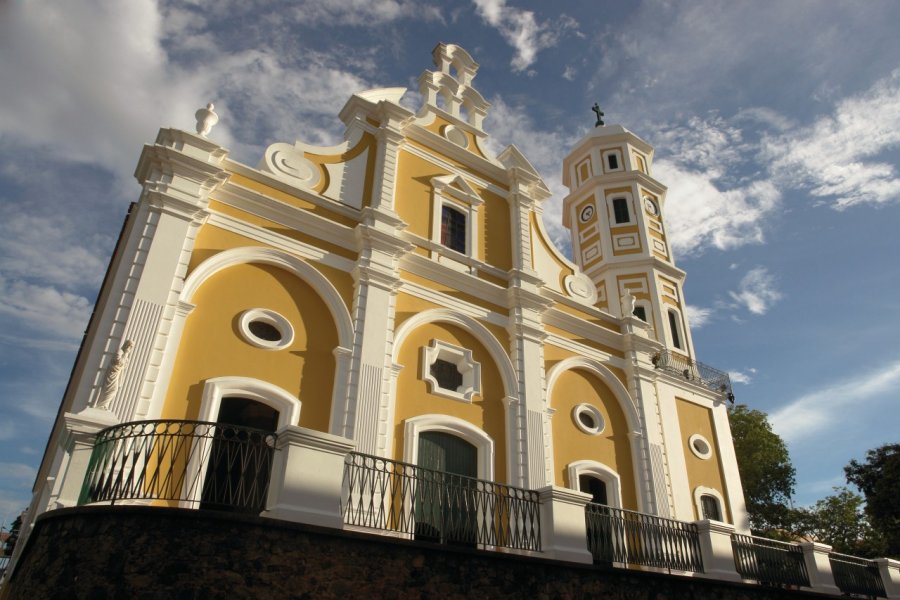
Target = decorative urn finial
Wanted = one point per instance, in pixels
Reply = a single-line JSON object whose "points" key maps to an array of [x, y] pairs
{"points": [[600, 113], [206, 118]]}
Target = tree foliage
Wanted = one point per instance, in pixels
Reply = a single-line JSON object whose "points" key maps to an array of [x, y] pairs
{"points": [[766, 471], [879, 480], [13, 536], [840, 521]]}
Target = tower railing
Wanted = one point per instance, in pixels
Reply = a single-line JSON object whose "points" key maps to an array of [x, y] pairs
{"points": [[694, 371], [191, 464], [616, 535], [425, 504]]}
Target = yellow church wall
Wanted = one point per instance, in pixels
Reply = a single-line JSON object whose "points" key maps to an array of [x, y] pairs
{"points": [[611, 446], [445, 289], [295, 201], [415, 197], [280, 230], [486, 410], [693, 418], [211, 240], [456, 163], [584, 341], [366, 143], [587, 317], [212, 346]]}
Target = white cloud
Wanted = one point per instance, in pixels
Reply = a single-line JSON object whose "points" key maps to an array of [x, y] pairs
{"points": [[521, 30], [836, 156], [700, 215], [698, 316], [364, 12], [45, 308], [827, 408], [757, 291], [740, 377], [18, 473]]}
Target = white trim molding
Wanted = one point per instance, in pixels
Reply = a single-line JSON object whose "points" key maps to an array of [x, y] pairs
{"points": [[467, 366], [287, 405], [453, 425], [700, 446], [701, 491], [602, 472], [271, 318]]}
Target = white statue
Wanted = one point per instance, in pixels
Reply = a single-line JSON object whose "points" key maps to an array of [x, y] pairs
{"points": [[627, 301], [114, 376], [206, 118]]}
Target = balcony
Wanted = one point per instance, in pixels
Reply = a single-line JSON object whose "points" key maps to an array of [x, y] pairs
{"points": [[695, 372], [189, 464], [314, 478]]}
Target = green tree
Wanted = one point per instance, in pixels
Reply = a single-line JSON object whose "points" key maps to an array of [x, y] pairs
{"points": [[879, 480], [766, 471], [13, 536], [840, 521]]}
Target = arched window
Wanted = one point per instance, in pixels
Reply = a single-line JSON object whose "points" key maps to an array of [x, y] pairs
{"points": [[709, 505], [675, 329]]}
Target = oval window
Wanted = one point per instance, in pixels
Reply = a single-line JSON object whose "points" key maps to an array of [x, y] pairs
{"points": [[588, 419], [266, 329]]}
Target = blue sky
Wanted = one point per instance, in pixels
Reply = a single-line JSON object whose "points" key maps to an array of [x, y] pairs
{"points": [[776, 126]]}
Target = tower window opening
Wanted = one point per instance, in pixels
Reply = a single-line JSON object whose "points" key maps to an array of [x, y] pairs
{"points": [[453, 229], [710, 506], [613, 161], [620, 210], [641, 313], [673, 326]]}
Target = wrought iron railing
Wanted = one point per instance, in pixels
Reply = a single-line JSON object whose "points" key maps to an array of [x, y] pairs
{"points": [[695, 371], [616, 535], [769, 562], [430, 505], [192, 464], [854, 575]]}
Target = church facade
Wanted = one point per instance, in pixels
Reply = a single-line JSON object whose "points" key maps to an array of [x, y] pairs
{"points": [[399, 292]]}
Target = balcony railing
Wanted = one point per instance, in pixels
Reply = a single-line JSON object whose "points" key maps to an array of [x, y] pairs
{"points": [[854, 575], [769, 562], [617, 535], [695, 372], [193, 464], [425, 504]]}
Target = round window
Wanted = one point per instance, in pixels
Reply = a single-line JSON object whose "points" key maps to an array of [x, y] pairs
{"points": [[588, 419], [700, 446], [266, 329]]}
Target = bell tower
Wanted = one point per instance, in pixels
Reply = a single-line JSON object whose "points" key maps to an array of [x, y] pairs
{"points": [[614, 211]]}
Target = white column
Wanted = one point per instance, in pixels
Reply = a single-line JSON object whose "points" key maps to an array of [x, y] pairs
{"points": [[307, 476], [818, 567], [81, 431], [890, 576], [716, 550], [563, 526]]}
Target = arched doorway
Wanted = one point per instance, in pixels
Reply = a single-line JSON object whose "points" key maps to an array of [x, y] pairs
{"points": [[445, 489], [240, 456], [600, 523]]}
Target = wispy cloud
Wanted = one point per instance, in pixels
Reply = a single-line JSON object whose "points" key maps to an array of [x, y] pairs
{"points": [[45, 308], [698, 316], [757, 291], [522, 31], [827, 408], [742, 377], [17, 473], [836, 158], [364, 12]]}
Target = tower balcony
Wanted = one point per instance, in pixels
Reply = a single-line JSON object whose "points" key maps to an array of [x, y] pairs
{"points": [[696, 372]]}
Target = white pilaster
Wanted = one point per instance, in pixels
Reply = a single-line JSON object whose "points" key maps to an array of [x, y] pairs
{"points": [[716, 550], [78, 445], [890, 576], [563, 526], [818, 567], [307, 476]]}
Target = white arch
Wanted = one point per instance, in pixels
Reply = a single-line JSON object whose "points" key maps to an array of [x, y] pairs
{"points": [[479, 331], [282, 260], [287, 405], [632, 417], [482, 441], [701, 491], [602, 472]]}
